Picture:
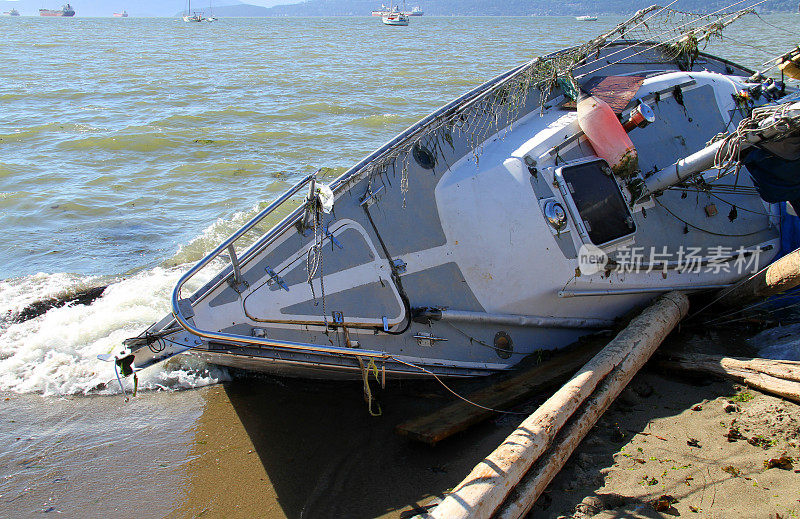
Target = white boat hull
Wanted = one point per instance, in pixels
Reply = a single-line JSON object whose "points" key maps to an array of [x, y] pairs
{"points": [[463, 274], [400, 20]]}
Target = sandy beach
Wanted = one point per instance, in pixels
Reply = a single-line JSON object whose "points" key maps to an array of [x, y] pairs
{"points": [[706, 445], [671, 445], [275, 448]]}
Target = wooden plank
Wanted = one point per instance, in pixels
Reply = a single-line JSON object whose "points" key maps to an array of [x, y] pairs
{"points": [[435, 427]]}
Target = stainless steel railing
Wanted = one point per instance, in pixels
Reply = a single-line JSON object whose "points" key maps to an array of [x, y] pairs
{"points": [[183, 321], [277, 230]]}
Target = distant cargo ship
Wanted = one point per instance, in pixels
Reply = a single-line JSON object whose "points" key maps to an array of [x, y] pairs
{"points": [[67, 10], [123, 14], [386, 11], [12, 12]]}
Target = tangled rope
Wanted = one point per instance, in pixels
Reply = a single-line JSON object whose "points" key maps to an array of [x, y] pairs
{"points": [[672, 34], [762, 119], [314, 258]]}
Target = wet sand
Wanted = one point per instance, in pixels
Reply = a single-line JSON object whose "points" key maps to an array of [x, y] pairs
{"points": [[275, 448], [285, 448], [95, 456], [253, 447]]}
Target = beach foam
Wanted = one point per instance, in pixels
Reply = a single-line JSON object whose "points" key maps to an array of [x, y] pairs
{"points": [[56, 353]]}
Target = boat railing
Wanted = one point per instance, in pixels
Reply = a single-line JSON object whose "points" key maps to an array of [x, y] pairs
{"points": [[182, 308]]}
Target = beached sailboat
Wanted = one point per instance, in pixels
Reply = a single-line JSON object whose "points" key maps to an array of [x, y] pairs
{"points": [[516, 218]]}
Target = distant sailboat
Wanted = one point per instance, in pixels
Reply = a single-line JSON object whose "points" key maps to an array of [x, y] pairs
{"points": [[190, 16], [211, 17]]}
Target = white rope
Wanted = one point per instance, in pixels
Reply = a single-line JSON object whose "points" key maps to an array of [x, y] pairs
{"points": [[729, 154]]}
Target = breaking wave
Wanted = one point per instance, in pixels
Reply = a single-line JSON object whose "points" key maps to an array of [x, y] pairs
{"points": [[56, 352]]}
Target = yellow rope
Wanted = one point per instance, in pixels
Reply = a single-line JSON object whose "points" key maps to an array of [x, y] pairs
{"points": [[367, 390]]}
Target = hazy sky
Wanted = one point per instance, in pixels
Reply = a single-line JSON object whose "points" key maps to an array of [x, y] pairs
{"points": [[270, 3]]}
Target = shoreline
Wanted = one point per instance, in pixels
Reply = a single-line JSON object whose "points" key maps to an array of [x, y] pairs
{"points": [[275, 448]]}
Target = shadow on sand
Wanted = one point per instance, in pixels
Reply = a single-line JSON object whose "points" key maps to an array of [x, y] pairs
{"points": [[325, 456]]}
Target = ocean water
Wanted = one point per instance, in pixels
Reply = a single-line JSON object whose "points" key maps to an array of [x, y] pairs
{"points": [[130, 147]]}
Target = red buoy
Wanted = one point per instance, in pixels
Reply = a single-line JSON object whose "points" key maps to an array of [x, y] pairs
{"points": [[606, 135]]}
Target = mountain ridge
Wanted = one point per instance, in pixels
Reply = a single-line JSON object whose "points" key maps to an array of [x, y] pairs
{"points": [[285, 8], [510, 7]]}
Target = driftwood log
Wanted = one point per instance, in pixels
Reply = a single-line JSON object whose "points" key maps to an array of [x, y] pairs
{"points": [[778, 377], [483, 491], [778, 277]]}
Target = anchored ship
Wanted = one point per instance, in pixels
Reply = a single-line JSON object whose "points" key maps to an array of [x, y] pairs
{"points": [[66, 10], [12, 12], [532, 210]]}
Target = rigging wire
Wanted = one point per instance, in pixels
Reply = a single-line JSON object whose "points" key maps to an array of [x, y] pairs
{"points": [[752, 46], [787, 31], [465, 399], [706, 230], [720, 319], [658, 44], [709, 193]]}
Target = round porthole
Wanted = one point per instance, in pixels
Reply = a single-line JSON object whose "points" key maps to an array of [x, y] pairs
{"points": [[503, 345], [423, 156], [555, 215]]}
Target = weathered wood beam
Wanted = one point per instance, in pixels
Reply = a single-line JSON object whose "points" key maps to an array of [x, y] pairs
{"points": [[778, 377], [773, 279]]}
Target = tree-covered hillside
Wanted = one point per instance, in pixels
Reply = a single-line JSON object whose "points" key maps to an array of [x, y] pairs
{"points": [[510, 7]]}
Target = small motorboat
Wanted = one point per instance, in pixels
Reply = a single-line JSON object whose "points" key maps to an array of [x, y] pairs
{"points": [[532, 210], [395, 18]]}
